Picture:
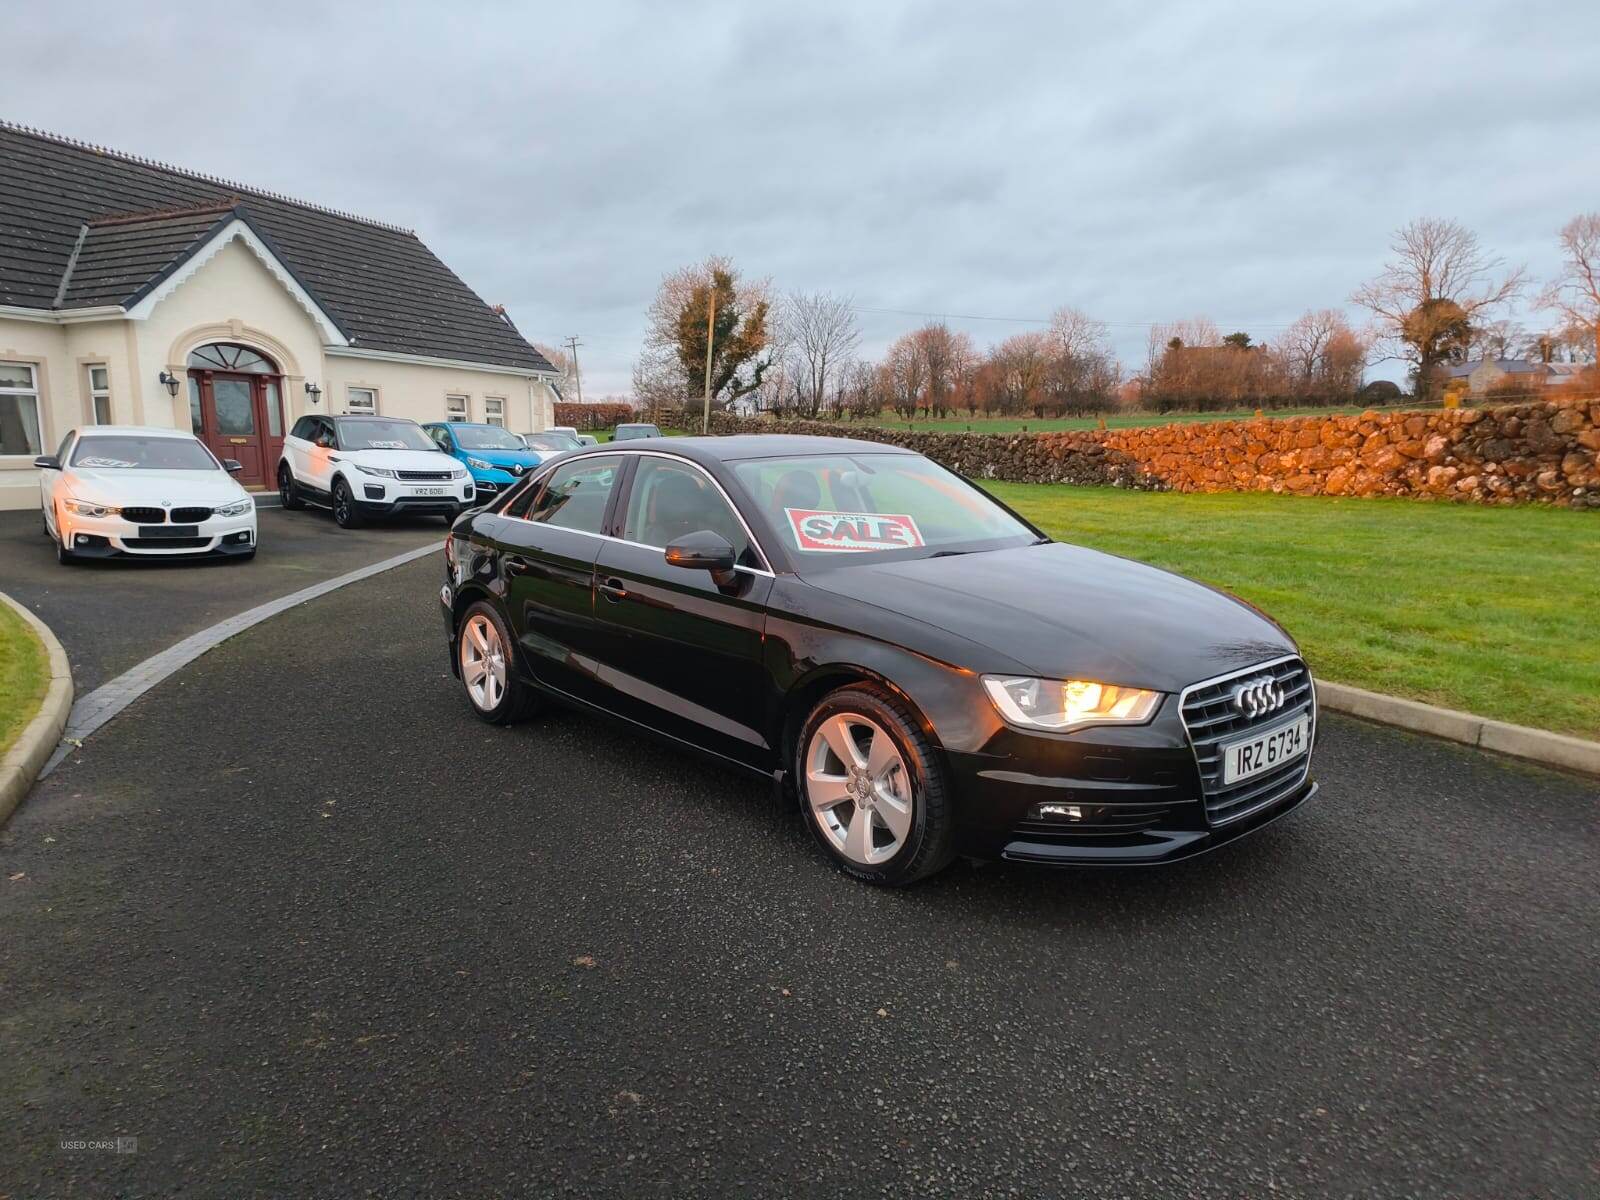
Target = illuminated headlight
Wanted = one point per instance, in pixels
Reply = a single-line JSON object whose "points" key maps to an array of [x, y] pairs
{"points": [[1063, 704], [88, 508], [477, 464], [384, 471], [234, 509]]}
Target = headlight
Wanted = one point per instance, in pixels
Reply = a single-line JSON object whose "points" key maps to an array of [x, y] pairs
{"points": [[234, 509], [88, 508], [384, 471], [1062, 704], [458, 473], [477, 464]]}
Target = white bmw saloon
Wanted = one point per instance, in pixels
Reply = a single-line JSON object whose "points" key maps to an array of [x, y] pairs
{"points": [[112, 491]]}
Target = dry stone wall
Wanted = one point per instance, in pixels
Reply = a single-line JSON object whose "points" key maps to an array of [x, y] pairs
{"points": [[1546, 451]]}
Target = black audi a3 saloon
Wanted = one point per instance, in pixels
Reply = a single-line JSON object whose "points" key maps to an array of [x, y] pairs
{"points": [[922, 669]]}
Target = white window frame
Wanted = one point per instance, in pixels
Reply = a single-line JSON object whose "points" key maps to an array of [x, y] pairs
{"points": [[27, 393], [98, 395], [490, 415], [451, 413], [351, 407]]}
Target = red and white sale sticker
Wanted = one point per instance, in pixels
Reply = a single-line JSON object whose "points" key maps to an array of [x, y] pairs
{"points": [[842, 532]]}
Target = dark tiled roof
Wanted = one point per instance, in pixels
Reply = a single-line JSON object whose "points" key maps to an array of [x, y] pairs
{"points": [[379, 283]]}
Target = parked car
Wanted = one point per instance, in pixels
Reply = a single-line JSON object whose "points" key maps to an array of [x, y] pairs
{"points": [[115, 490], [925, 670], [583, 439], [629, 431], [364, 466], [496, 457]]}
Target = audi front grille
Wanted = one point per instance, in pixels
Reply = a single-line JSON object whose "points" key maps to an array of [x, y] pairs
{"points": [[1212, 721]]}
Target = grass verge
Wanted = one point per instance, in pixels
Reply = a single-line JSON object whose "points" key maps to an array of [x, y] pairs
{"points": [[1486, 609], [24, 676]]}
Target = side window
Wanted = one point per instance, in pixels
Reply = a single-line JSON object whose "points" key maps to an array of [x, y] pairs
{"points": [[518, 506], [670, 499], [302, 428], [441, 437], [324, 434], [576, 495]]}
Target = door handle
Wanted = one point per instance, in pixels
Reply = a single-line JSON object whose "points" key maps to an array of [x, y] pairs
{"points": [[516, 564], [613, 590]]}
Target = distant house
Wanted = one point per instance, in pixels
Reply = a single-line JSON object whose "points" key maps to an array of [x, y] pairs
{"points": [[136, 293], [1482, 376]]}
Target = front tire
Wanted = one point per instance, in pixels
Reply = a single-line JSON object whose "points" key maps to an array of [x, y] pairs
{"points": [[871, 790], [64, 556], [288, 494], [345, 515], [487, 667]]}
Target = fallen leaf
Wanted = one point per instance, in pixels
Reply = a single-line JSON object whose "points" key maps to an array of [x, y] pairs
{"points": [[883, 1012], [584, 960]]}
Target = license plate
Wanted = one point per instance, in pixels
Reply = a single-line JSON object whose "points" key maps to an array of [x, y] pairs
{"points": [[430, 491], [169, 531], [1252, 756]]}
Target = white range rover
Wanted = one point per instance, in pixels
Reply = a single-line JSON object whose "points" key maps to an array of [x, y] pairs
{"points": [[115, 490], [368, 466]]}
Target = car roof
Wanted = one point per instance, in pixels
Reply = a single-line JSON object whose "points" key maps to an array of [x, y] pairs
{"points": [[468, 424], [361, 417], [756, 445], [165, 431]]}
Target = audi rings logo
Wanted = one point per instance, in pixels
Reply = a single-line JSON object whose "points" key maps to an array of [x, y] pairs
{"points": [[1258, 697]]}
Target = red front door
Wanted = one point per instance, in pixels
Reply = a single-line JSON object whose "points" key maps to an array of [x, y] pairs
{"points": [[240, 417]]}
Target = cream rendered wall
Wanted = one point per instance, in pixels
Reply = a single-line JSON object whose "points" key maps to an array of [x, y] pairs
{"points": [[417, 390]]}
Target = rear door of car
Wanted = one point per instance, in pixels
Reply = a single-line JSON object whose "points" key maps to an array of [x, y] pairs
{"points": [[545, 544], [680, 653]]}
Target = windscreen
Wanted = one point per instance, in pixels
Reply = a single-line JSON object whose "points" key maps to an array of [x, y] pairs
{"points": [[130, 452], [835, 509], [549, 440], [485, 437], [383, 435]]}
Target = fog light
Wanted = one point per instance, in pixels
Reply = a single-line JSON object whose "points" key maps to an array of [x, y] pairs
{"points": [[373, 491], [1057, 812], [83, 539]]}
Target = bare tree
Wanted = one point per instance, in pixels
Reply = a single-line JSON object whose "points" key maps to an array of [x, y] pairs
{"points": [[1575, 295], [905, 375], [1321, 357], [823, 337], [687, 301], [1437, 287], [562, 362]]}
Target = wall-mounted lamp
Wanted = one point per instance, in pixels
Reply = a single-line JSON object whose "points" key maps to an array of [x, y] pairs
{"points": [[171, 383], [313, 392]]}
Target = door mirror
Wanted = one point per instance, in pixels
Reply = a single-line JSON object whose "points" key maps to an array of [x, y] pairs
{"points": [[704, 551], [232, 466], [47, 462]]}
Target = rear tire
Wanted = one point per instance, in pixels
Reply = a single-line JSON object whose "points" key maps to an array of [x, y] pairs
{"points": [[885, 816], [288, 492], [345, 515], [486, 664]]}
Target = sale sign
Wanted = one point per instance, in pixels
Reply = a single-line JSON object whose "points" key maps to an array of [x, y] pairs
{"points": [[842, 532]]}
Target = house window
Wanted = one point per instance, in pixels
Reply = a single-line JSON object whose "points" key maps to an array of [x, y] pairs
{"points": [[99, 394], [494, 410], [19, 410], [455, 408], [361, 400]]}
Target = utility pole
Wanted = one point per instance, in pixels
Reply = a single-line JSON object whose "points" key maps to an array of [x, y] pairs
{"points": [[577, 376], [711, 328]]}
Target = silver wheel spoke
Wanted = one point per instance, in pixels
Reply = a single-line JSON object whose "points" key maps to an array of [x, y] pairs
{"points": [[836, 731], [882, 757], [474, 670], [858, 841], [827, 791], [895, 815]]}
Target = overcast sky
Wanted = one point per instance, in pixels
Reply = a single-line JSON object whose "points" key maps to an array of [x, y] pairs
{"points": [[1143, 162]]}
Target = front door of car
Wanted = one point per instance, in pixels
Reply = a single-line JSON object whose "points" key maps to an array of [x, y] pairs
{"points": [[545, 545], [682, 653], [319, 455]]}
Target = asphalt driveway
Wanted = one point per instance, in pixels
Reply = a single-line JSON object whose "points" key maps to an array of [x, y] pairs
{"points": [[112, 615], [301, 925]]}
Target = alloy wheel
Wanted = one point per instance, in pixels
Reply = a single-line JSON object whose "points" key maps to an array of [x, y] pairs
{"points": [[285, 488], [341, 503], [483, 662], [858, 789]]}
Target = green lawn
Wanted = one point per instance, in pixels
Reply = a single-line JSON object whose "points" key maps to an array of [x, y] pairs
{"points": [[1120, 421], [1491, 610], [23, 676]]}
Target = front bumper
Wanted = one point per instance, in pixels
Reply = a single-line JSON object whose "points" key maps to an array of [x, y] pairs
{"points": [[491, 483], [1102, 797], [387, 499], [113, 537]]}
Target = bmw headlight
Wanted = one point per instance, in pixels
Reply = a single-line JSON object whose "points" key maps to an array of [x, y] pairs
{"points": [[235, 509], [1064, 704], [477, 464], [384, 471], [88, 508]]}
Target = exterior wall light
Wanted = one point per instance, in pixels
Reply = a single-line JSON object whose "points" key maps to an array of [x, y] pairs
{"points": [[313, 392], [171, 383]]}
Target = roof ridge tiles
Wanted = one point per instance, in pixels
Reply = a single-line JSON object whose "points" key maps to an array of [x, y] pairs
{"points": [[140, 160]]}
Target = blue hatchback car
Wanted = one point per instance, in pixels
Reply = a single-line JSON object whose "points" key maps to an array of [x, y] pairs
{"points": [[496, 457]]}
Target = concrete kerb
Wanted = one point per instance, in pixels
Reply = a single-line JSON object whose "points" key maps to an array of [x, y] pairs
{"points": [[24, 761]]}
